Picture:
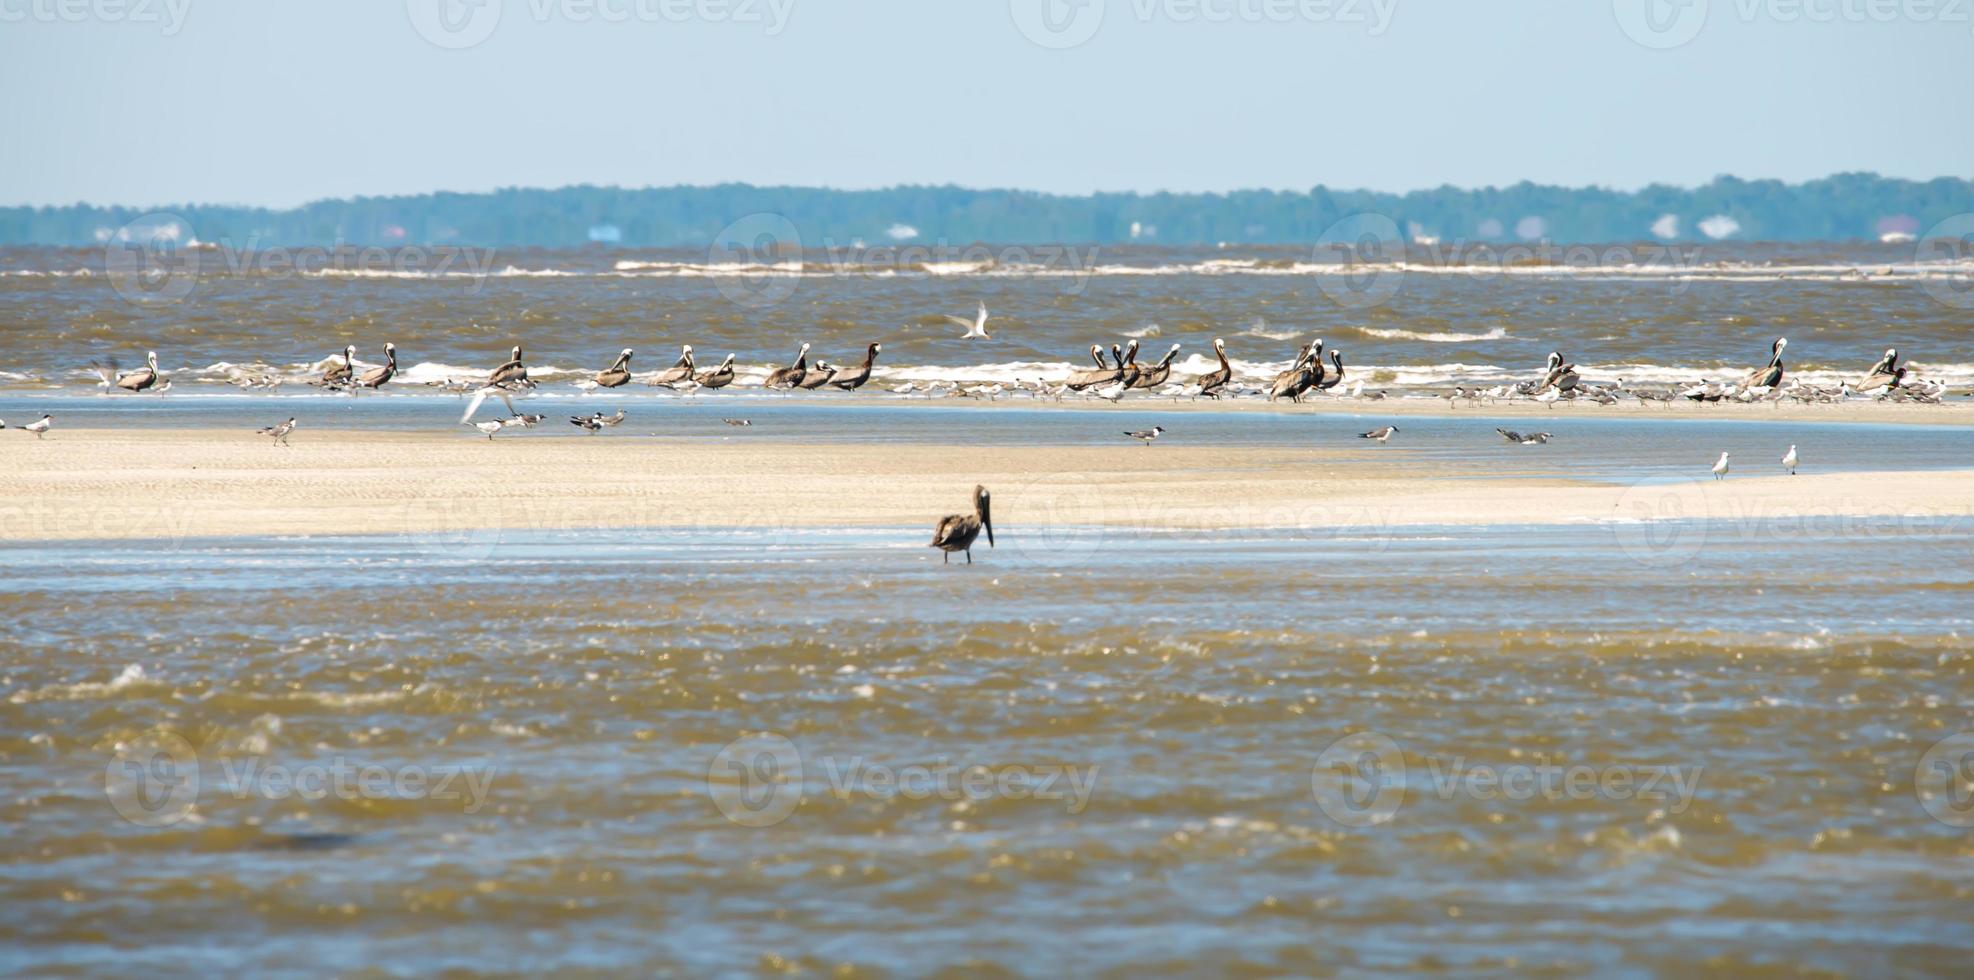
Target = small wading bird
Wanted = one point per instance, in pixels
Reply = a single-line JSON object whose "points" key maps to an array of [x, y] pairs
{"points": [[738, 421], [1147, 435], [1789, 460], [1382, 433], [976, 328], [1720, 467], [1530, 439], [142, 379], [279, 432], [488, 427], [617, 373], [592, 423], [377, 377], [957, 532], [39, 426]]}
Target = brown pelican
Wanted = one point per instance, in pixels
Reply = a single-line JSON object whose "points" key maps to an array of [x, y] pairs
{"points": [[1885, 374], [279, 432], [377, 377], [854, 378], [956, 532], [1105, 372], [1328, 382], [976, 328], [1129, 370], [1297, 379], [39, 426], [1147, 435], [142, 379], [681, 369], [339, 375], [1561, 376], [617, 373], [792, 375], [719, 377], [509, 377], [1382, 433], [1155, 375], [1771, 375], [817, 376], [1210, 384]]}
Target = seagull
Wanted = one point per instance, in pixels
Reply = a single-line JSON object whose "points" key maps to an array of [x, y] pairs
{"points": [[1720, 467], [608, 420], [509, 377], [521, 421], [1789, 459], [39, 426], [738, 422], [1147, 435], [488, 427], [1531, 439], [279, 432], [594, 423], [957, 532], [975, 328], [1381, 433]]}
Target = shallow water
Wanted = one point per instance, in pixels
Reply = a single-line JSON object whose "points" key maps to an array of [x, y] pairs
{"points": [[685, 741]]}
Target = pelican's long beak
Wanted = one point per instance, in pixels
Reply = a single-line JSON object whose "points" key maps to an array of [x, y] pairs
{"points": [[986, 516]]}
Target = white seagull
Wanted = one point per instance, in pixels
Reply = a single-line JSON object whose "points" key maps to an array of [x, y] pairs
{"points": [[1789, 459], [1147, 435], [1382, 433], [976, 328], [1720, 467]]}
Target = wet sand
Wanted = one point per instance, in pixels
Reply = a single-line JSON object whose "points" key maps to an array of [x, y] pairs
{"points": [[173, 484]]}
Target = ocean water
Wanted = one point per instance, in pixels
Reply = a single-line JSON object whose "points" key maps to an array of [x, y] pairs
{"points": [[1436, 316], [1497, 751]]}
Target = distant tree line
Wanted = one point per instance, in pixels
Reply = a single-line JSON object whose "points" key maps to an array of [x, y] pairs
{"points": [[1844, 206]]}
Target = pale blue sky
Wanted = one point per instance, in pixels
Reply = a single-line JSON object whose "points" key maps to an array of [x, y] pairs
{"points": [[278, 102]]}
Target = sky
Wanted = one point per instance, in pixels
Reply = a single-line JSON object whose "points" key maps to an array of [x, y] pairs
{"points": [[279, 102]]}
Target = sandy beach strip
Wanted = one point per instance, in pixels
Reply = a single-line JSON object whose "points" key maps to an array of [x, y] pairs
{"points": [[176, 484]]}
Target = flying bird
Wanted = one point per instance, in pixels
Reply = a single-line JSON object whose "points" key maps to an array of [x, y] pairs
{"points": [[976, 328]]}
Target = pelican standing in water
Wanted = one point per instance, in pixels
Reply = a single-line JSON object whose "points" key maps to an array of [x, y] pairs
{"points": [[976, 328], [1770, 376], [617, 373], [719, 377], [792, 375], [1155, 375], [854, 378], [1211, 382], [279, 432], [338, 375], [1720, 467], [377, 377], [680, 371], [957, 532], [1790, 459]]}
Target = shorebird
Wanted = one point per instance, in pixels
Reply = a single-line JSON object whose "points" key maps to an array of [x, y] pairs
{"points": [[1147, 435], [488, 427], [617, 373], [509, 377], [39, 426], [1530, 439], [792, 375], [593, 423], [339, 375], [1790, 459], [1155, 375], [607, 420], [377, 377], [279, 432], [854, 378], [738, 421], [1211, 382], [521, 421], [142, 379], [817, 377], [1105, 373], [681, 370], [976, 328], [1720, 467], [1770, 376], [719, 377], [957, 532], [1382, 433]]}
